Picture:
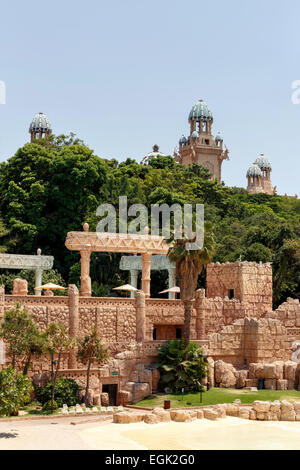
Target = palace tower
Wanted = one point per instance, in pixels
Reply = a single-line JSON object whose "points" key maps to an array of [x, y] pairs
{"points": [[201, 146]]}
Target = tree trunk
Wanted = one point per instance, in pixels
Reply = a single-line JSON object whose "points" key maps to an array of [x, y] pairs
{"points": [[52, 380], [188, 306], [55, 378], [87, 382], [13, 361], [26, 366]]}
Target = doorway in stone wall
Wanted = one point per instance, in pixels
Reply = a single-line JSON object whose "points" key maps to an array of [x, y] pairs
{"points": [[167, 332], [111, 389]]}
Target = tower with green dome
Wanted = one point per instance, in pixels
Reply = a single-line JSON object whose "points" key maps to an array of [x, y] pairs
{"points": [[201, 146], [40, 127]]}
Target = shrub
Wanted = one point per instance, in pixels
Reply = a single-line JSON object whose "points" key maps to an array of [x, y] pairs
{"points": [[181, 367], [15, 391], [50, 406], [65, 392]]}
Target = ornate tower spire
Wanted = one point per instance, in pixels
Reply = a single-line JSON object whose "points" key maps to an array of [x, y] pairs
{"points": [[201, 147], [40, 127]]}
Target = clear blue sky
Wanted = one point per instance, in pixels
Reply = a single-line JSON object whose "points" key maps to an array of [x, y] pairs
{"points": [[123, 76]]}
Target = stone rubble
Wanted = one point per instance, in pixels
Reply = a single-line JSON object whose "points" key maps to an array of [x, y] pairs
{"points": [[259, 410]]}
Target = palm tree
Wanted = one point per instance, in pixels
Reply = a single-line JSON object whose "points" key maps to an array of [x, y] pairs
{"points": [[189, 264]]}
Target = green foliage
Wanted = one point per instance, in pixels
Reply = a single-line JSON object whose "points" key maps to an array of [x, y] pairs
{"points": [[22, 335], [90, 349], [58, 339], [50, 405], [65, 392], [15, 391], [52, 186], [180, 366], [258, 252], [162, 162]]}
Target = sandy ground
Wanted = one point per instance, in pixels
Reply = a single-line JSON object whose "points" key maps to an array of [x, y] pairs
{"points": [[229, 433]]}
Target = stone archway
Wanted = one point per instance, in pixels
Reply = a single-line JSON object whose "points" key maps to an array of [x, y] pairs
{"points": [[86, 242]]}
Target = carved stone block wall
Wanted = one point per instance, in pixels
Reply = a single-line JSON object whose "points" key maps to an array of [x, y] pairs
{"points": [[288, 313], [166, 312], [251, 340], [246, 281]]}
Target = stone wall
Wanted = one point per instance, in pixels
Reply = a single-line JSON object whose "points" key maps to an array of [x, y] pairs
{"points": [[164, 312], [277, 375], [288, 313], [251, 283], [251, 340], [114, 317], [240, 331]]}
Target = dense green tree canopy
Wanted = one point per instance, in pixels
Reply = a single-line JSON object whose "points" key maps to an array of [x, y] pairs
{"points": [[51, 187]]}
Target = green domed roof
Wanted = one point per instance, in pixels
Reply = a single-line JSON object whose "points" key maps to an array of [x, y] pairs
{"points": [[200, 110], [40, 122], [263, 162], [254, 170]]}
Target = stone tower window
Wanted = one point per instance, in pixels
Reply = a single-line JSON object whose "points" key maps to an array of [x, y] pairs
{"points": [[230, 293]]}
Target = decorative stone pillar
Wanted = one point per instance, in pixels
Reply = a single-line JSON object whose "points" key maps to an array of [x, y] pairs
{"points": [[172, 282], [20, 287], [85, 280], [200, 314], [73, 303], [2, 302], [140, 308], [146, 273], [133, 279], [38, 281]]}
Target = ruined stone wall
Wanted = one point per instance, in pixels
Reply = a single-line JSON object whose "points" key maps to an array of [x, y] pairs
{"points": [[43, 309], [288, 313], [251, 340], [165, 312], [251, 283], [229, 344], [115, 318], [218, 313]]}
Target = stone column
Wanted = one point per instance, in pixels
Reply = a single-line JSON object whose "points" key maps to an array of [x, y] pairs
{"points": [[146, 273], [38, 281], [172, 282], [133, 279], [2, 302], [86, 285], [140, 308], [20, 287], [73, 303], [200, 314]]}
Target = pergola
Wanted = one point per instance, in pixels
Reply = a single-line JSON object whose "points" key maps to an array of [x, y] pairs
{"points": [[87, 242], [133, 264], [37, 263]]}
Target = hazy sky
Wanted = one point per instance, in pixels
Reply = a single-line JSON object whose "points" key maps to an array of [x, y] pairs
{"points": [[123, 76]]}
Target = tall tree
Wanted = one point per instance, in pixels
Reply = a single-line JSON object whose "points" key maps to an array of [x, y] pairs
{"points": [[22, 335], [189, 264], [58, 341], [90, 349]]}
